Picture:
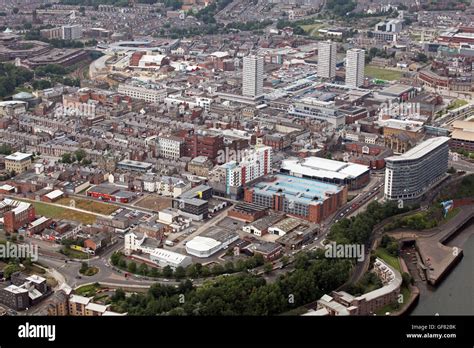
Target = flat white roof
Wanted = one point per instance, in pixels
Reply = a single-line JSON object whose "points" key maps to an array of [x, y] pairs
{"points": [[54, 194], [202, 243], [409, 125], [319, 312], [16, 289], [79, 299], [96, 307], [36, 279], [18, 156], [110, 313], [323, 168], [7, 187], [17, 206], [420, 150], [39, 221], [168, 256]]}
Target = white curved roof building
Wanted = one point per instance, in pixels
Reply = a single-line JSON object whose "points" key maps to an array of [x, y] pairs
{"points": [[210, 242], [203, 246]]}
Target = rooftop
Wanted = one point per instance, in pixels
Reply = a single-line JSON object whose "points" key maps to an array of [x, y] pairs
{"points": [[317, 167], [299, 190], [18, 156], [202, 243], [420, 150]]}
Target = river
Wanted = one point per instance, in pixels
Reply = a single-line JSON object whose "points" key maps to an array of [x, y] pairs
{"points": [[455, 295]]}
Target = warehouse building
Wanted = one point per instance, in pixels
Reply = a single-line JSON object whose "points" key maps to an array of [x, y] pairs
{"points": [[211, 242], [140, 242]]}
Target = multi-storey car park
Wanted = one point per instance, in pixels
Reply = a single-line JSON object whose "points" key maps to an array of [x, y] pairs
{"points": [[305, 198]]}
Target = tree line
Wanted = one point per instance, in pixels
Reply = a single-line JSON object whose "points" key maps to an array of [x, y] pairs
{"points": [[242, 294]]}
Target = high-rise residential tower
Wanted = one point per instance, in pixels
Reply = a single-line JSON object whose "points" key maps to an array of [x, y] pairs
{"points": [[355, 67], [327, 59], [252, 77]]}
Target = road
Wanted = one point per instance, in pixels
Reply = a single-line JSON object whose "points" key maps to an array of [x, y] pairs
{"points": [[458, 163], [97, 67]]}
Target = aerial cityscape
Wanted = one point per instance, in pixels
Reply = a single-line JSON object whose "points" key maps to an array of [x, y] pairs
{"points": [[304, 158]]}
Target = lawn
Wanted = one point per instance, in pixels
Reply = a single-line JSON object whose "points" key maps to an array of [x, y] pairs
{"points": [[88, 290], [457, 104], [382, 74], [56, 212], [75, 254], [312, 29], [392, 261], [405, 292], [90, 205], [89, 271]]}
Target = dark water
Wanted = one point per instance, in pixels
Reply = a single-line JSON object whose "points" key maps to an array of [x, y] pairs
{"points": [[455, 295]]}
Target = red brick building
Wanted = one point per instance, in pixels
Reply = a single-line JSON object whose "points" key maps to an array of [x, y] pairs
{"points": [[247, 212], [16, 214], [203, 145]]}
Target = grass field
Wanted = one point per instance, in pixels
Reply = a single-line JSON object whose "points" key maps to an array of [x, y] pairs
{"points": [[457, 104], [391, 260], [89, 205], [56, 212], [75, 254], [87, 290], [312, 29], [382, 74]]}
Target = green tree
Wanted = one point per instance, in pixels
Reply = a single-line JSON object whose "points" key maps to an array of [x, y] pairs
{"points": [[132, 267], [80, 154], [10, 269], [406, 279], [122, 263], [191, 271], [229, 267], [84, 267], [115, 258], [119, 295], [66, 158], [143, 269], [154, 272], [217, 269], [167, 272], [268, 267], [179, 272]]}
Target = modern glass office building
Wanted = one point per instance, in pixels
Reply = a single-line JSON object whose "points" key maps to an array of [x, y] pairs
{"points": [[412, 174]]}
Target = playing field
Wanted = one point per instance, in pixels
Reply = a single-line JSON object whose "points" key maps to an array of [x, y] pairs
{"points": [[56, 212], [89, 205], [382, 74]]}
